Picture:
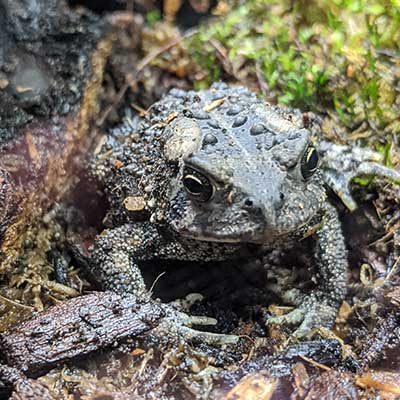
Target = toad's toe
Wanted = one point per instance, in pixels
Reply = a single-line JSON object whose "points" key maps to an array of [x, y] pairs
{"points": [[176, 327]]}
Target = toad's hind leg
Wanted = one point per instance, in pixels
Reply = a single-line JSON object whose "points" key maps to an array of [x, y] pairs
{"points": [[320, 307], [114, 264]]}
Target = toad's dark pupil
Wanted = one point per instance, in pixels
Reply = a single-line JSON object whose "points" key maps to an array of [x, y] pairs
{"points": [[309, 162], [193, 185], [198, 186]]}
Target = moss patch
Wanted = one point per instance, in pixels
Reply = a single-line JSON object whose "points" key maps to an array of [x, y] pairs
{"points": [[339, 58]]}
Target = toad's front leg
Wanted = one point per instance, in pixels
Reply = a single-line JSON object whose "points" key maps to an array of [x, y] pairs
{"points": [[114, 264], [341, 164], [320, 307]]}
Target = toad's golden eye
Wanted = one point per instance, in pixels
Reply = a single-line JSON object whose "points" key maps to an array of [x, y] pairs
{"points": [[309, 162], [197, 185]]}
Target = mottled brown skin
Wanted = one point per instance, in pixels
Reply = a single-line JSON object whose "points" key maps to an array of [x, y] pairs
{"points": [[220, 174]]}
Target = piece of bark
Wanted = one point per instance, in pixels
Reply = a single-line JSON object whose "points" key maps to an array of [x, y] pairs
{"points": [[75, 328], [30, 389], [9, 377], [331, 385], [22, 388], [45, 60], [54, 61], [382, 342]]}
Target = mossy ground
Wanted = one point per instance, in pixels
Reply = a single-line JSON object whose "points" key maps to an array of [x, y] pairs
{"points": [[338, 58]]}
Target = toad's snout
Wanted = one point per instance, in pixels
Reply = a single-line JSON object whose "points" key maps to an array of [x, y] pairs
{"points": [[263, 208]]}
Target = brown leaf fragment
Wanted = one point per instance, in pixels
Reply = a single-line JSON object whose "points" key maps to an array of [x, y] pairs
{"points": [[222, 8], [350, 71], [215, 104], [137, 352], [253, 387], [344, 312], [134, 203]]}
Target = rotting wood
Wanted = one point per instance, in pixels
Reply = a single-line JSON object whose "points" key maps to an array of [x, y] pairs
{"points": [[75, 328]]}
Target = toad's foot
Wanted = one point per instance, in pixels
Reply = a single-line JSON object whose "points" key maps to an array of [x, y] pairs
{"points": [[341, 164], [176, 326], [311, 312], [319, 307]]}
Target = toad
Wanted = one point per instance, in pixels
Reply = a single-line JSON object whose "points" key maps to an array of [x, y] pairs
{"points": [[219, 174]]}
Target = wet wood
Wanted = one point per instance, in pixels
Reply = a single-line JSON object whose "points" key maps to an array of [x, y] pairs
{"points": [[76, 328], [39, 157]]}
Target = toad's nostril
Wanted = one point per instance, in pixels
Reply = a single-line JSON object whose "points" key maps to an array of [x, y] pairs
{"points": [[279, 203], [248, 202]]}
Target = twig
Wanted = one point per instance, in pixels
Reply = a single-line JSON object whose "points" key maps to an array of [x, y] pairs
{"points": [[16, 304], [222, 55], [315, 363], [262, 83], [155, 281]]}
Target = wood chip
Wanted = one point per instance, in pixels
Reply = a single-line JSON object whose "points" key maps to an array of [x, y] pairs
{"points": [[214, 104], [253, 387], [137, 352], [118, 164], [134, 203], [22, 89], [171, 117], [315, 363], [4, 83]]}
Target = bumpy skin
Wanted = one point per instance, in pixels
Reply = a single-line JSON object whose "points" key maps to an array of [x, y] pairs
{"points": [[261, 192]]}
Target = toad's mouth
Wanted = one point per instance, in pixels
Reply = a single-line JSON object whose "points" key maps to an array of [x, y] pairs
{"points": [[254, 236]]}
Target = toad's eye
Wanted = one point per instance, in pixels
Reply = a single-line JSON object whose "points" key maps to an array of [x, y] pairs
{"points": [[197, 185], [309, 162]]}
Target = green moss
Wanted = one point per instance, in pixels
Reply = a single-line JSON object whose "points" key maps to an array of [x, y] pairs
{"points": [[153, 16], [337, 57]]}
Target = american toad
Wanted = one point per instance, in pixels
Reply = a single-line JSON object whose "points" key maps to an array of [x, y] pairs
{"points": [[220, 174]]}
